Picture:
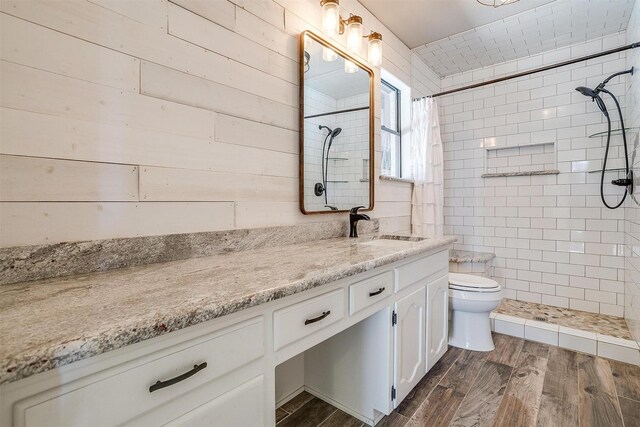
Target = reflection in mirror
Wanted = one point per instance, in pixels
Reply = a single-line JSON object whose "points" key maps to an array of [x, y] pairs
{"points": [[336, 146]]}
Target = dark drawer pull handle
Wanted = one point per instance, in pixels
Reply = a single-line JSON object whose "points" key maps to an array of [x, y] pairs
{"points": [[378, 292], [317, 319], [162, 384]]}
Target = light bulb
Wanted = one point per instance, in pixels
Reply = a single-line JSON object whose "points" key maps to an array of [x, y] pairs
{"points": [[329, 54], [350, 67], [375, 49], [330, 17], [354, 34]]}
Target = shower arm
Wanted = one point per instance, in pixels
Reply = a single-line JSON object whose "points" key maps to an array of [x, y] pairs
{"points": [[600, 87]]}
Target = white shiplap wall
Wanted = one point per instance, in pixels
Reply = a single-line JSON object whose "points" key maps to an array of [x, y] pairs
{"points": [[128, 118], [554, 240]]}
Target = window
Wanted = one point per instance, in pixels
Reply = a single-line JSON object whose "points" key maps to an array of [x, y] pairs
{"points": [[391, 134]]}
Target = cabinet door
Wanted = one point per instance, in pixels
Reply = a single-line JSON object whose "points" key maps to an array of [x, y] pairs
{"points": [[437, 320], [409, 343]]}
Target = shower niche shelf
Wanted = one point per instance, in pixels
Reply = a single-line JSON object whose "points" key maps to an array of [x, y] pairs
{"points": [[520, 160]]}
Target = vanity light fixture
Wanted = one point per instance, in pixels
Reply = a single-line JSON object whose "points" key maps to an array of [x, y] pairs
{"points": [[333, 25], [374, 50], [330, 17], [496, 3], [350, 67], [329, 54], [354, 34]]}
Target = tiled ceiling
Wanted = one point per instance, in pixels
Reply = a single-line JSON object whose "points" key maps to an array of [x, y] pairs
{"points": [[550, 26]]}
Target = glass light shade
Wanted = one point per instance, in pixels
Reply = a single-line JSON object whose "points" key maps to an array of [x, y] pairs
{"points": [[375, 51], [329, 55], [350, 67], [330, 18], [354, 35]]}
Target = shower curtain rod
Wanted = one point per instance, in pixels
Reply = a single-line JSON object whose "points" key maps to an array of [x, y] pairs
{"points": [[535, 70]]}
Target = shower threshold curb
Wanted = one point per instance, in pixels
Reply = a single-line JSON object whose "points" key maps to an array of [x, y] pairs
{"points": [[597, 344]]}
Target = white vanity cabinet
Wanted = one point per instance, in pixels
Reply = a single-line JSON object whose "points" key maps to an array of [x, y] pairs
{"points": [[409, 319], [438, 320], [183, 378], [367, 340]]}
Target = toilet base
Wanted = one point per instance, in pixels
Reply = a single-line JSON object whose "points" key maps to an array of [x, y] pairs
{"points": [[471, 331]]}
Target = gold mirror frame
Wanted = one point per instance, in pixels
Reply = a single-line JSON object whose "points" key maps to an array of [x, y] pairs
{"points": [[372, 154]]}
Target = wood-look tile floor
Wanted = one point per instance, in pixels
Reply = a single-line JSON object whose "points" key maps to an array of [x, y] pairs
{"points": [[520, 383]]}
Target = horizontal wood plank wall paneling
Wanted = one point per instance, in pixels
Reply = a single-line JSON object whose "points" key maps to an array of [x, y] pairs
{"points": [[190, 27], [149, 12], [32, 179], [38, 47], [32, 134], [171, 85], [267, 35], [25, 88], [234, 130], [221, 12], [162, 116], [167, 184], [266, 10], [40, 223], [106, 28], [255, 214]]}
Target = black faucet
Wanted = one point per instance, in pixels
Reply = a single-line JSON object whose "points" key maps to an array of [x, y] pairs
{"points": [[354, 217]]}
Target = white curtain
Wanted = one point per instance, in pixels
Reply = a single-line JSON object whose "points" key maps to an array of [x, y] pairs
{"points": [[427, 200]]}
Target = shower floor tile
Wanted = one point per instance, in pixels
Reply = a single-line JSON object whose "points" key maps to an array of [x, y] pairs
{"points": [[591, 322]]}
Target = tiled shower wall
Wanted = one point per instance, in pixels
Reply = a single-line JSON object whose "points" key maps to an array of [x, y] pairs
{"points": [[555, 243], [632, 210]]}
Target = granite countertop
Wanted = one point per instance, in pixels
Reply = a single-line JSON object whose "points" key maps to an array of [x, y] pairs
{"points": [[53, 322], [460, 256]]}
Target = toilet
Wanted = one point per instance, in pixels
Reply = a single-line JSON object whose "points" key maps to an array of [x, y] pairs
{"points": [[471, 300]]}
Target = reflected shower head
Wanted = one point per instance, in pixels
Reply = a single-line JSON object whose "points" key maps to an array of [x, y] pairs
{"points": [[587, 91]]}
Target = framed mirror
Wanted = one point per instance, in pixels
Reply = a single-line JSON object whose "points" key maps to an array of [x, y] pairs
{"points": [[336, 128]]}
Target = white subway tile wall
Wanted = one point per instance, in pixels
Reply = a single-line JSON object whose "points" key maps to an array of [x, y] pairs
{"points": [[555, 242], [632, 209]]}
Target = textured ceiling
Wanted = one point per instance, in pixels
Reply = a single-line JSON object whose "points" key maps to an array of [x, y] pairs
{"points": [[418, 22], [547, 27]]}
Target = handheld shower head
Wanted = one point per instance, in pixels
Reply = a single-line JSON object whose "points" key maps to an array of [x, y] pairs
{"points": [[336, 132], [587, 91]]}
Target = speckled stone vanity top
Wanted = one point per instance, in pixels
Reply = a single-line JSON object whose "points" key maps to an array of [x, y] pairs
{"points": [[460, 256], [53, 322]]}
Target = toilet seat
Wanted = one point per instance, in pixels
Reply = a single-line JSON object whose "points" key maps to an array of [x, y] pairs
{"points": [[471, 283]]}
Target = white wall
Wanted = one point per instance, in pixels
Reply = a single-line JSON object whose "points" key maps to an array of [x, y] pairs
{"points": [[632, 210], [555, 242], [153, 117]]}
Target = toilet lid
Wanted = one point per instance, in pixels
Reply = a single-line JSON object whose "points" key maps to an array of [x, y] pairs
{"points": [[472, 283]]}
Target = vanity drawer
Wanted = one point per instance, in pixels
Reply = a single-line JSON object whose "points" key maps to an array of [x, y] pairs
{"points": [[300, 320], [369, 291], [419, 269], [121, 394]]}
